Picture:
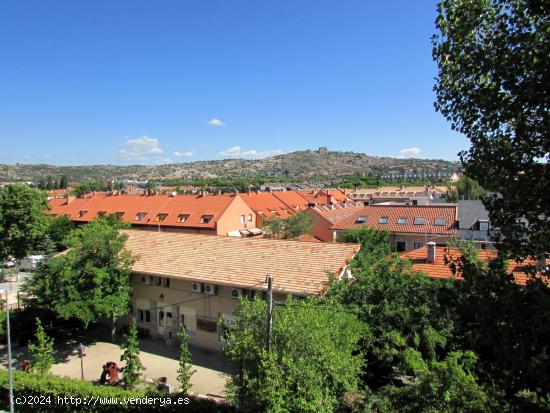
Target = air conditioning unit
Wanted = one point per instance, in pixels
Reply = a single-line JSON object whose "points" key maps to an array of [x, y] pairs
{"points": [[197, 287], [236, 293], [210, 289]]}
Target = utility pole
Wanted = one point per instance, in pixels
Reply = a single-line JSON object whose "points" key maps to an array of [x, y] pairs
{"points": [[269, 311], [10, 379]]}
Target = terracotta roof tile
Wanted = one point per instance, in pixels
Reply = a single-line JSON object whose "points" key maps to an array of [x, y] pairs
{"points": [[299, 268], [401, 218]]}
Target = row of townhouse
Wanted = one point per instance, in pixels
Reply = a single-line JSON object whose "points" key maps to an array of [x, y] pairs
{"points": [[222, 214], [195, 280]]}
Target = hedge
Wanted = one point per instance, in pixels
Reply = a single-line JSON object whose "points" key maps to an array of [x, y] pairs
{"points": [[47, 390]]}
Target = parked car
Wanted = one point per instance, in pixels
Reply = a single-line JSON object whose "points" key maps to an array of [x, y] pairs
{"points": [[9, 264], [30, 262]]}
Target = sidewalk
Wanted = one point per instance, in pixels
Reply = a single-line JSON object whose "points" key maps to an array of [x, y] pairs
{"points": [[158, 359]]}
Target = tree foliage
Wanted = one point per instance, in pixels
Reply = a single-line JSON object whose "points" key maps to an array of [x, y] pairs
{"points": [[133, 367], [42, 351], [493, 86], [185, 370], [292, 227], [465, 189], [23, 222], [311, 365], [89, 281]]}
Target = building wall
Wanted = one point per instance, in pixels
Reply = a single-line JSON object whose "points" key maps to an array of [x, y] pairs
{"points": [[410, 239], [230, 220], [179, 299], [321, 227]]}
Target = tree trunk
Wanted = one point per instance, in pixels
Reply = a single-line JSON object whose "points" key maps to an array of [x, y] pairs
{"points": [[113, 330]]}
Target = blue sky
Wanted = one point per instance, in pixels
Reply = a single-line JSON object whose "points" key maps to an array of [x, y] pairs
{"points": [[124, 82]]}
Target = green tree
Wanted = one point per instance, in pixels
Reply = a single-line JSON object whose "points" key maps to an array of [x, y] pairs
{"points": [[185, 370], [23, 222], [63, 182], [312, 363], [91, 280], [465, 189], [449, 386], [292, 227], [493, 85], [133, 367], [58, 230], [42, 352]]}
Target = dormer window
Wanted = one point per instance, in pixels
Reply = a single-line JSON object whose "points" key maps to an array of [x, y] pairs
{"points": [[205, 219], [161, 217], [483, 225], [119, 214], [383, 220], [140, 216], [361, 219], [183, 217], [101, 214], [82, 213], [419, 221], [439, 221], [402, 221]]}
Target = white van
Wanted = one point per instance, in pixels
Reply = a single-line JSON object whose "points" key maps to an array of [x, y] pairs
{"points": [[30, 262]]}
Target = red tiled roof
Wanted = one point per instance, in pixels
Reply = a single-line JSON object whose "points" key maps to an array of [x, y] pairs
{"points": [[323, 196], [439, 269], [376, 213], [300, 268], [268, 204], [292, 199], [132, 205]]}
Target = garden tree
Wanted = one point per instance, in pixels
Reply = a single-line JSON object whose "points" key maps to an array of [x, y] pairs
{"points": [[465, 189], [42, 352], [58, 230], [87, 187], [493, 85], [291, 227], [23, 222], [505, 324], [185, 370], [91, 280], [63, 182], [133, 367], [311, 365], [447, 386], [401, 307]]}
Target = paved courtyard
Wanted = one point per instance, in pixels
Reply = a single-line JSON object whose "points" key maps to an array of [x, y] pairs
{"points": [[159, 360]]}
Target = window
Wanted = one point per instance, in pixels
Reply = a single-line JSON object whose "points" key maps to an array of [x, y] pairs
{"points": [[182, 319], [144, 280], [401, 246], [161, 318], [144, 316], [119, 214], [383, 220], [140, 216], [166, 282], [183, 217], [242, 219], [205, 219], [207, 325], [439, 221], [417, 245], [155, 280], [82, 213], [101, 214], [249, 217], [484, 225], [419, 221], [168, 315], [161, 217], [361, 219], [402, 221]]}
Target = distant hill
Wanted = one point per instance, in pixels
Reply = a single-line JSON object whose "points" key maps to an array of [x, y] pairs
{"points": [[299, 165]]}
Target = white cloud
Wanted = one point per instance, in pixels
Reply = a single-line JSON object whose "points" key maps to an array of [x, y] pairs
{"points": [[216, 122], [46, 157], [237, 152], [184, 154], [139, 149], [412, 152]]}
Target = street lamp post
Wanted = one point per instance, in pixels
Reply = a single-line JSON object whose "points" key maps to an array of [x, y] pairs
{"points": [[10, 379], [81, 354]]}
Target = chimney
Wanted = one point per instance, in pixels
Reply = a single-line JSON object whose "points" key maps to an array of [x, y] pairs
{"points": [[431, 252], [70, 198]]}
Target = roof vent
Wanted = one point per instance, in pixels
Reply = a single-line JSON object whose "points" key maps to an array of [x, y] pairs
{"points": [[431, 252]]}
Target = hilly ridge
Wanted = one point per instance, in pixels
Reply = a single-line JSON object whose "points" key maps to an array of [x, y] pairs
{"points": [[298, 165]]}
